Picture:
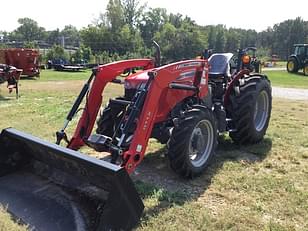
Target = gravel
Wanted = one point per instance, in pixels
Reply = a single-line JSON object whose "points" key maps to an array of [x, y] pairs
{"points": [[290, 93]]}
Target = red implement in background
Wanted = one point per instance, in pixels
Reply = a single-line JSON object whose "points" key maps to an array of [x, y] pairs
{"points": [[22, 58]]}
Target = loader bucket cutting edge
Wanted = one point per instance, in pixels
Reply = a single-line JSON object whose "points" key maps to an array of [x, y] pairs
{"points": [[51, 187]]}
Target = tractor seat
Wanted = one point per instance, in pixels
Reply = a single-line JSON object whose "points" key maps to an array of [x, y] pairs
{"points": [[219, 65]]}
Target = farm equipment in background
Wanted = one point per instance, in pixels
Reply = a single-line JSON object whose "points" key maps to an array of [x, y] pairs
{"points": [[64, 65], [298, 60], [184, 105], [11, 75], [22, 58]]}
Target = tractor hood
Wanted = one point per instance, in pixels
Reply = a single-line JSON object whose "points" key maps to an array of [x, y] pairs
{"points": [[133, 81]]}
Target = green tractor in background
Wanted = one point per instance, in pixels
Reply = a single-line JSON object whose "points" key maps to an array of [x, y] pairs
{"points": [[298, 60]]}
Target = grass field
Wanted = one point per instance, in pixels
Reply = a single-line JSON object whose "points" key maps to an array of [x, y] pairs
{"points": [[285, 79], [257, 187]]}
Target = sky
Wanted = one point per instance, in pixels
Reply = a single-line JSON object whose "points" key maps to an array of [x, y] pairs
{"points": [[258, 15]]}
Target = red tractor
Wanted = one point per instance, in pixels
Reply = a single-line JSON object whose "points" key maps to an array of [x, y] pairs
{"points": [[184, 104]]}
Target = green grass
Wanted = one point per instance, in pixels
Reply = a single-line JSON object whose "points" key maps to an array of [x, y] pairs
{"points": [[51, 75], [285, 79], [256, 187], [7, 223]]}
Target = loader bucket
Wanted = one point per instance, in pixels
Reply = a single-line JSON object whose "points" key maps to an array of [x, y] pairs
{"points": [[53, 188]]}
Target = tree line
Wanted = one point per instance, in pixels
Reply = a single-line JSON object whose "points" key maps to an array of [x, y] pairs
{"points": [[126, 30]]}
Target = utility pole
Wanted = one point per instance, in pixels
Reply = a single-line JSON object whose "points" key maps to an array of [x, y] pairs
{"points": [[63, 41]]}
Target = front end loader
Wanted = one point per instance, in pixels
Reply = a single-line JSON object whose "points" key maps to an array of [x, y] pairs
{"points": [[53, 188], [183, 104]]}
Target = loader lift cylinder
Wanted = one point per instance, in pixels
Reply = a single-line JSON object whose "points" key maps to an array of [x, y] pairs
{"points": [[135, 108], [60, 135]]}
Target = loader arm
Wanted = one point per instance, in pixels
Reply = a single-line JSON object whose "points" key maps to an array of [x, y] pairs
{"points": [[162, 78], [104, 75]]}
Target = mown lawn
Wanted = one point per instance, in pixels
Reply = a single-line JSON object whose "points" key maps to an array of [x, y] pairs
{"points": [[285, 79], [257, 187]]}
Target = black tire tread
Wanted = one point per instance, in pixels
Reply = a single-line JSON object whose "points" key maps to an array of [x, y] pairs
{"points": [[296, 67], [305, 69], [105, 124], [178, 143], [242, 110]]}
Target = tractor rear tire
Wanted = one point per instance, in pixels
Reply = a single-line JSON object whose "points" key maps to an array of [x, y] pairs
{"points": [[105, 124], [292, 65], [306, 69], [251, 110], [109, 120], [193, 142]]}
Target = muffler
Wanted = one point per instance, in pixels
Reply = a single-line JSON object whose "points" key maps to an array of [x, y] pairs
{"points": [[50, 187]]}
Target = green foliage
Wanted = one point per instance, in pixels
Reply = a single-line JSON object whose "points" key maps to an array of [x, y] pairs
{"points": [[180, 43], [28, 31], [127, 29], [220, 41], [232, 41], [132, 12], [31, 45], [82, 55], [71, 35], [115, 15], [151, 22], [53, 37], [96, 38], [282, 36], [2, 45], [57, 52]]}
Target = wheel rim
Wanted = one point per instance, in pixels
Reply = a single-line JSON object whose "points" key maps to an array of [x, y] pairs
{"points": [[201, 143], [306, 70], [261, 111], [290, 65]]}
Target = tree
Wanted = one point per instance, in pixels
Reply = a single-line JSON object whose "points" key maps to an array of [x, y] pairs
{"points": [[53, 37], [151, 22], [232, 41], [82, 55], [71, 35], [132, 12], [114, 17], [287, 33], [57, 52], [180, 43], [97, 38], [211, 38], [28, 31], [4, 36], [220, 41]]}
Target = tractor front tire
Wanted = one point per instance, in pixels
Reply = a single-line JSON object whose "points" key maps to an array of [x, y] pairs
{"points": [[193, 142], [306, 69], [251, 109], [292, 65]]}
